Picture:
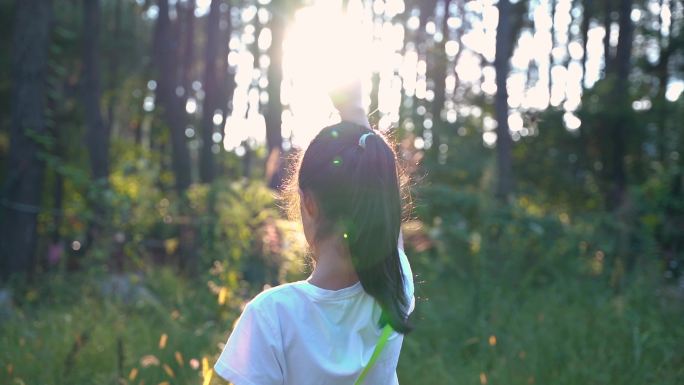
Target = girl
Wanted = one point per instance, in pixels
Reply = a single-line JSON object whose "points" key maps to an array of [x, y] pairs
{"points": [[325, 329]]}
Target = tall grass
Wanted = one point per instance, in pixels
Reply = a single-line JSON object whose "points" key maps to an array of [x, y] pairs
{"points": [[564, 333]]}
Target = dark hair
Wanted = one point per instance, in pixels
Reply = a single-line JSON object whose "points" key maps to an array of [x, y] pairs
{"points": [[358, 191]]}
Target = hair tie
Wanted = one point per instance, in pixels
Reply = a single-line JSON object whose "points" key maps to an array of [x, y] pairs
{"points": [[362, 139]]}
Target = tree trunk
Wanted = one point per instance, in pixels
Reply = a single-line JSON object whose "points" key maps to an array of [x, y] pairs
{"points": [[374, 97], [274, 111], [426, 11], [439, 72], [173, 76], [188, 53], [173, 107], [114, 66], [607, 25], [97, 137], [226, 75], [22, 190], [504, 43], [663, 76], [211, 94], [97, 133], [461, 33], [623, 56], [586, 17], [56, 245], [553, 41]]}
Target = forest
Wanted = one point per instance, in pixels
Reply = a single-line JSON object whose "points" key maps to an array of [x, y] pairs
{"points": [[144, 146]]}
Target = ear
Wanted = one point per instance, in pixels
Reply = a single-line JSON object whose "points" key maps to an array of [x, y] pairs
{"points": [[308, 203]]}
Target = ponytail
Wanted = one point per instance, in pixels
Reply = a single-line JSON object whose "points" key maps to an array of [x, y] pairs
{"points": [[352, 172]]}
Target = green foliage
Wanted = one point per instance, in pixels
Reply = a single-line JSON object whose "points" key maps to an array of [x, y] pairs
{"points": [[522, 294], [239, 224]]}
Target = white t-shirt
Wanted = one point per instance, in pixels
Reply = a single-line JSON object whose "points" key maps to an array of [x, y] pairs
{"points": [[301, 334]]}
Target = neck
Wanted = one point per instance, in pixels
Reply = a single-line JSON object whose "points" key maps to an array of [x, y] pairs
{"points": [[334, 269]]}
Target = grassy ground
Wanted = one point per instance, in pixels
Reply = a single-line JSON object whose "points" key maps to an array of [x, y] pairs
{"points": [[86, 337], [466, 333], [483, 330], [567, 333]]}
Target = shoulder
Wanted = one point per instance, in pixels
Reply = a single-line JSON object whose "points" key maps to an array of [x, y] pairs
{"points": [[273, 300]]}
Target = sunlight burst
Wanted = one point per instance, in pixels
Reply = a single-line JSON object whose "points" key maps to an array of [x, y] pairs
{"points": [[324, 49]]}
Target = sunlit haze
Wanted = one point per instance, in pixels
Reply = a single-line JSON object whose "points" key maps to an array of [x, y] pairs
{"points": [[326, 45]]}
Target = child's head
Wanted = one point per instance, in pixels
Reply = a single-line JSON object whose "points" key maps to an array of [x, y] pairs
{"points": [[348, 186]]}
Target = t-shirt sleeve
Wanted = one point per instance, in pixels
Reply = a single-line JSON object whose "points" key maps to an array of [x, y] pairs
{"points": [[408, 280], [252, 355]]}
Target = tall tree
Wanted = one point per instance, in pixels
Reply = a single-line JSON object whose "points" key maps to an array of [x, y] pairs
{"points": [[586, 17], [504, 48], [113, 67], [97, 136], [187, 14], [97, 133], [172, 74], [553, 40], [166, 55], [226, 75], [622, 65], [668, 46], [439, 72], [426, 11], [211, 92], [274, 109], [21, 192], [607, 26], [56, 247]]}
